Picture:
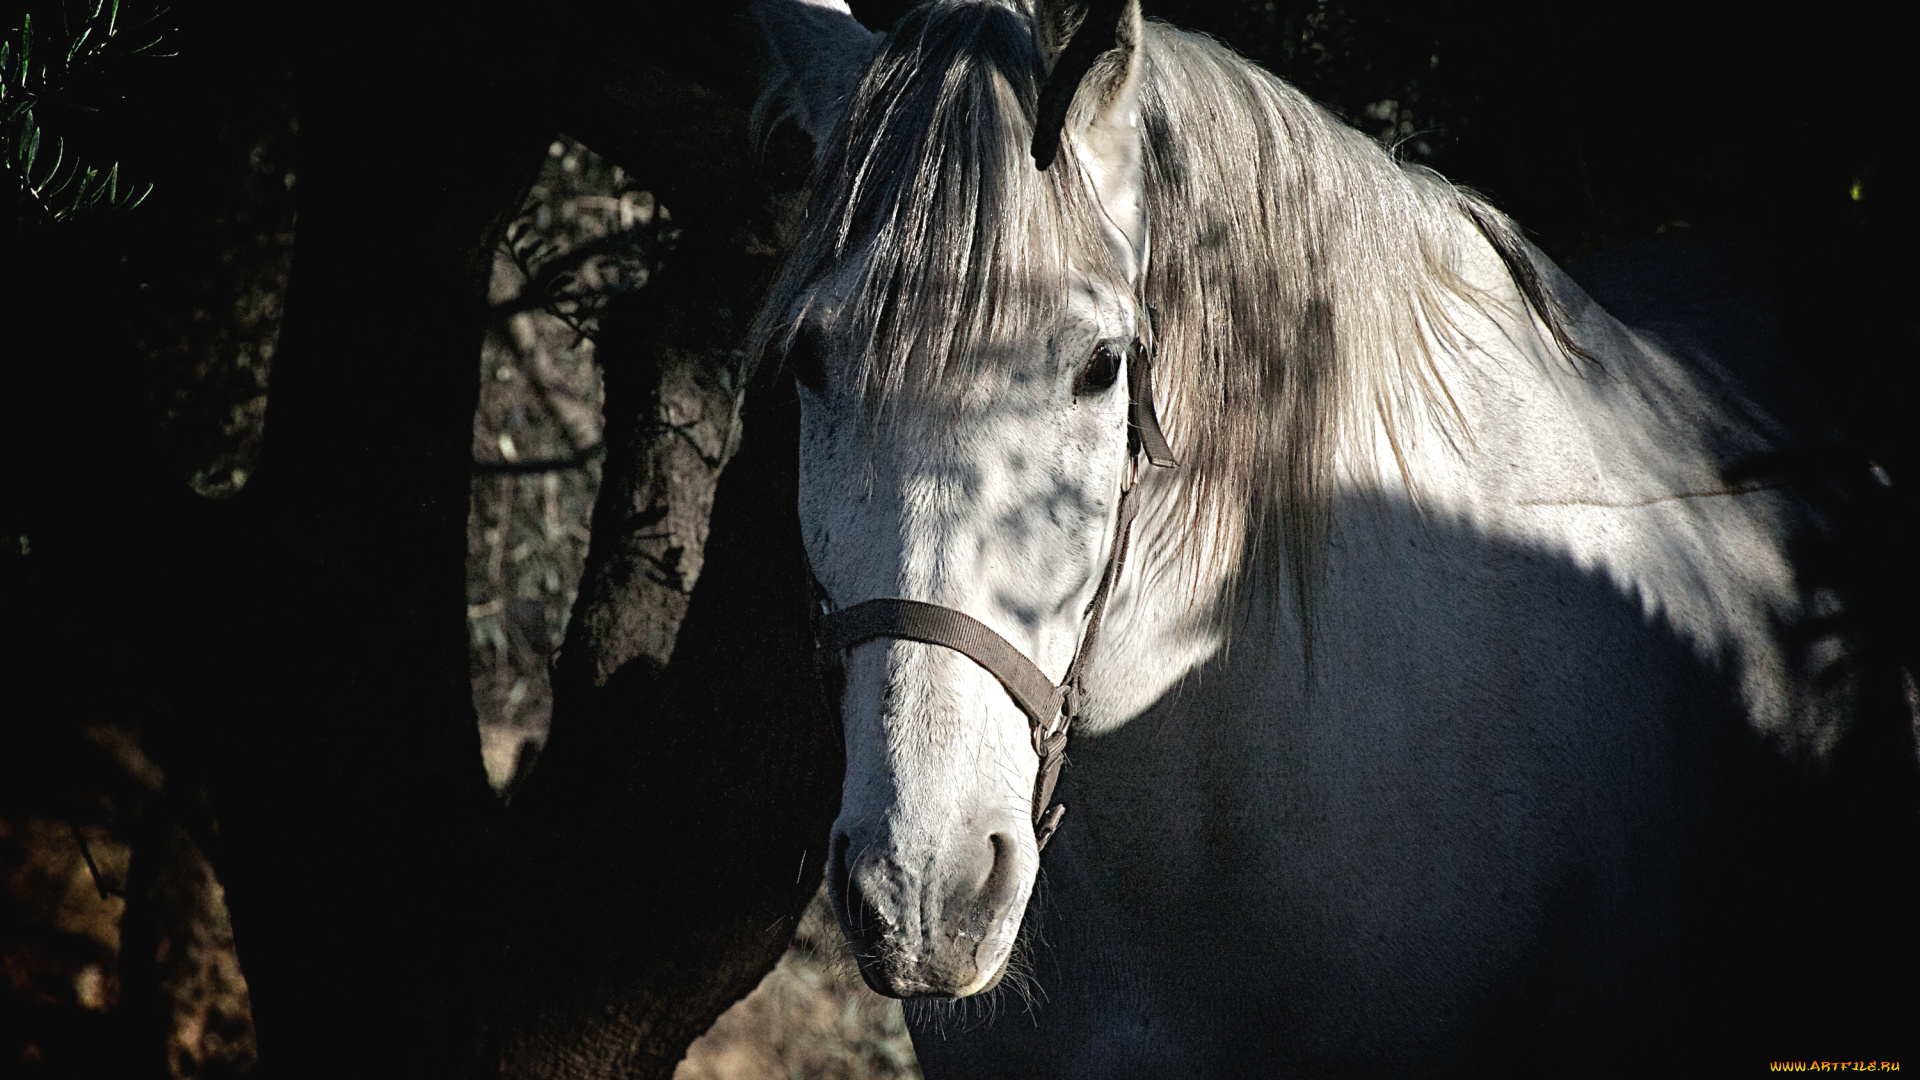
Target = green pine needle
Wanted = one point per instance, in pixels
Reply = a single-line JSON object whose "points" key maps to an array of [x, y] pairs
{"points": [[65, 190]]}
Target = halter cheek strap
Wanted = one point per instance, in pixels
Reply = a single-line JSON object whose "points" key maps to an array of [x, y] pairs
{"points": [[1051, 710]]}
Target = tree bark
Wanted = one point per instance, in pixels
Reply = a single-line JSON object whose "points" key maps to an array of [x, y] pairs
{"points": [[675, 829], [679, 814]]}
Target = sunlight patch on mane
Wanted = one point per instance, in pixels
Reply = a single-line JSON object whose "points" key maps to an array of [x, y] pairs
{"points": [[1306, 281], [1303, 278]]}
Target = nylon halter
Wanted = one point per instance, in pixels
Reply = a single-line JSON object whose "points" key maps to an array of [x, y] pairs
{"points": [[1051, 710]]}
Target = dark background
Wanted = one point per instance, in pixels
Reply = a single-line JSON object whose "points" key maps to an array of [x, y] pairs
{"points": [[262, 593]]}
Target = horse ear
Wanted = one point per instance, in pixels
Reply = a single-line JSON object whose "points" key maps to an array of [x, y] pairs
{"points": [[812, 54], [1092, 96]]}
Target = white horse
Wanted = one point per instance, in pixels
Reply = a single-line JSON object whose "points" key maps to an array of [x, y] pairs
{"points": [[1425, 717]]}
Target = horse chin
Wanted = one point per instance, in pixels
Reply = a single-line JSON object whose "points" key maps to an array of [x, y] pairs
{"points": [[896, 981]]}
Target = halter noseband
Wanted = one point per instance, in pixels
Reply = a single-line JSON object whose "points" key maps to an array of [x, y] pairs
{"points": [[1051, 710]]}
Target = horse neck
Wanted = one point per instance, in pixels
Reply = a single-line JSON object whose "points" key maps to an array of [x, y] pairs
{"points": [[1194, 591]]}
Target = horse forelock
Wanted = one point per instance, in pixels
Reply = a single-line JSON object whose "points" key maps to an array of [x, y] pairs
{"points": [[931, 240], [1302, 276]]}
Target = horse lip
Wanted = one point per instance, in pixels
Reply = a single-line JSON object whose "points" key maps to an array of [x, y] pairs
{"points": [[903, 978], [897, 986], [998, 974]]}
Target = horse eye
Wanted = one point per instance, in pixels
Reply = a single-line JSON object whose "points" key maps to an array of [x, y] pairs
{"points": [[1102, 369], [803, 359]]}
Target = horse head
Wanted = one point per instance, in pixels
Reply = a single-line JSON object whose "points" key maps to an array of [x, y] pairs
{"points": [[963, 318]]}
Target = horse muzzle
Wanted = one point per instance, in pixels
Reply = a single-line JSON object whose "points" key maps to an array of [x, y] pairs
{"points": [[939, 927]]}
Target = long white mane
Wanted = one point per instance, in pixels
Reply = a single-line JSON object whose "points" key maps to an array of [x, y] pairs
{"points": [[1301, 275]]}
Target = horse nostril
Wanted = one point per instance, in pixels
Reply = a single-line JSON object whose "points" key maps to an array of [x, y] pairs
{"points": [[840, 886], [837, 878], [857, 915], [866, 919], [1003, 878]]}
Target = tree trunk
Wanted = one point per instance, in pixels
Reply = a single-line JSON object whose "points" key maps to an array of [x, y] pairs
{"points": [[352, 802], [675, 830], [675, 827]]}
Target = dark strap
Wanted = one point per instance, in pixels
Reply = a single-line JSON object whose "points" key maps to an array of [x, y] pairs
{"points": [[1073, 686], [1050, 710], [917, 620], [1143, 423]]}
